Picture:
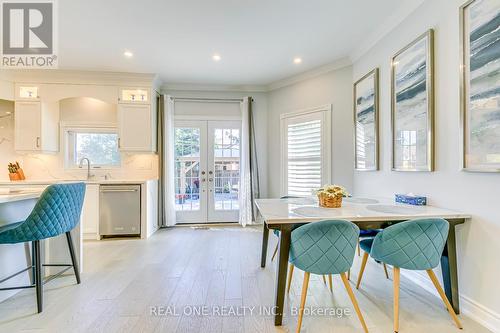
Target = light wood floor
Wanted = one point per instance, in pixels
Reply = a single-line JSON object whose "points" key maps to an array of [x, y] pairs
{"points": [[215, 267]]}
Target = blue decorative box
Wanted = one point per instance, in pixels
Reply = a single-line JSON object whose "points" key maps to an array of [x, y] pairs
{"points": [[411, 199]]}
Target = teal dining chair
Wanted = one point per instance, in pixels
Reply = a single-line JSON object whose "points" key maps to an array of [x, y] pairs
{"points": [[366, 244], [366, 233], [325, 248], [414, 245], [57, 212], [277, 234]]}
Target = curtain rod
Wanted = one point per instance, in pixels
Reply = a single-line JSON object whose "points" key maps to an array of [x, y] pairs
{"points": [[193, 99]]}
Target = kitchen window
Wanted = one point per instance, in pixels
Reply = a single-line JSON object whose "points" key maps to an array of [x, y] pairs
{"points": [[99, 145], [305, 151]]}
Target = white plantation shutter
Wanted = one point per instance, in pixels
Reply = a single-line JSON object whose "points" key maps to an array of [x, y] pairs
{"points": [[305, 155]]}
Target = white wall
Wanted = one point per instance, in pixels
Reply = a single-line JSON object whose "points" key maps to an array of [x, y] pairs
{"points": [[333, 88], [259, 107], [85, 109], [474, 193]]}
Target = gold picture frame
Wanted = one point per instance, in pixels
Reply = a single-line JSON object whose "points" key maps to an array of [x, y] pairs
{"points": [[483, 118], [368, 105], [412, 91]]}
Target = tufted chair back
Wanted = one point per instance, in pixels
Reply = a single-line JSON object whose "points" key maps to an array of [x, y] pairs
{"points": [[325, 247], [56, 212], [415, 244]]}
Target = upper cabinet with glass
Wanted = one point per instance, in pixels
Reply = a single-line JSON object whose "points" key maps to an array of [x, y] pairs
{"points": [[134, 95], [136, 120], [27, 92]]}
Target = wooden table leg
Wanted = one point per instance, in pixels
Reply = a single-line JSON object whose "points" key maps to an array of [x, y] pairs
{"points": [[284, 249], [265, 240], [449, 268]]}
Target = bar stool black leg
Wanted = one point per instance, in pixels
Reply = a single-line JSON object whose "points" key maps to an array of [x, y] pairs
{"points": [[33, 262], [73, 257], [38, 275]]}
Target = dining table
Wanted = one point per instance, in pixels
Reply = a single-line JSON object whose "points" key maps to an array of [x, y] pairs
{"points": [[367, 213]]}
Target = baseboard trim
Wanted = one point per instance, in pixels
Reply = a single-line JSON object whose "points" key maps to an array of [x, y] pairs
{"points": [[472, 309]]}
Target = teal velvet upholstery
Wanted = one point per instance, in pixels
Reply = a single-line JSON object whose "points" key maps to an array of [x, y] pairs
{"points": [[56, 212], [416, 244], [325, 247], [366, 244]]}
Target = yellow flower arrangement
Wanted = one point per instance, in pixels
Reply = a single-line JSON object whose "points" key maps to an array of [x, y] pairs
{"points": [[333, 190], [330, 196]]}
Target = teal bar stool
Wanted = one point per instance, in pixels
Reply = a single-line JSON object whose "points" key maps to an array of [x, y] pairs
{"points": [[325, 248], [55, 213], [414, 245]]}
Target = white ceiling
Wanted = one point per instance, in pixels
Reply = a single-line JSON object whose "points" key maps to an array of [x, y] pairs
{"points": [[257, 39]]}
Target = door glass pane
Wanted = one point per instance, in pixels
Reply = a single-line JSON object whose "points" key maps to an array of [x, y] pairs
{"points": [[187, 169], [226, 170]]}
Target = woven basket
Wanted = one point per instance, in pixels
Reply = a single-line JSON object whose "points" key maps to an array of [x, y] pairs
{"points": [[329, 201]]}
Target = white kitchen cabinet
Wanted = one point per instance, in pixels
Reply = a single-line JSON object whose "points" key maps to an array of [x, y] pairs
{"points": [[90, 212], [36, 126], [136, 128]]}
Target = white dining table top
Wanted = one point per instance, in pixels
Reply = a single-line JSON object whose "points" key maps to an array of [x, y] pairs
{"points": [[17, 194], [299, 210]]}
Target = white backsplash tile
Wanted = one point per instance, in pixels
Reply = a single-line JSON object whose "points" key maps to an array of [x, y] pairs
{"points": [[51, 166]]}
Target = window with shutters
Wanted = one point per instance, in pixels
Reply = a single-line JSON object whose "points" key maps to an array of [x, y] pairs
{"points": [[306, 147]]}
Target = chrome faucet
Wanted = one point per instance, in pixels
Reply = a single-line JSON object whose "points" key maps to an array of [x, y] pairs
{"points": [[88, 166]]}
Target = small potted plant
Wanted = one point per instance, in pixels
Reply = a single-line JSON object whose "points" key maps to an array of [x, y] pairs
{"points": [[330, 196]]}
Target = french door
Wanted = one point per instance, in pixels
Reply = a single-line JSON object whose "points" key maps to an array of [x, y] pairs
{"points": [[207, 171]]}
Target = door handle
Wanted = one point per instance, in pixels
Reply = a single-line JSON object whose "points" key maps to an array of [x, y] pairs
{"points": [[38, 142]]}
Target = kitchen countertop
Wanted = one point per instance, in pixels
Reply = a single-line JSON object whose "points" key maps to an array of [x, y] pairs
{"points": [[91, 181], [12, 195]]}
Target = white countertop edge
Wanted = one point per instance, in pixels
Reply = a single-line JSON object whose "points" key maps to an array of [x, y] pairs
{"points": [[92, 181], [6, 198]]}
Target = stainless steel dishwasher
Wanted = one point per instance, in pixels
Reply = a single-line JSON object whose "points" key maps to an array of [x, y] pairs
{"points": [[120, 210]]}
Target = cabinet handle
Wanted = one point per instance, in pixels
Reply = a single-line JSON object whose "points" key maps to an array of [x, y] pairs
{"points": [[119, 143], [131, 190], [38, 142]]}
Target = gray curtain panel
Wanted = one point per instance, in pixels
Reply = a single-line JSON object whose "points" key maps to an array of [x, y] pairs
{"points": [[161, 164], [254, 163]]}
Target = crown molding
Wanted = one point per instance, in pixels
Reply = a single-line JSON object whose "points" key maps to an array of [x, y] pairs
{"points": [[56, 76], [337, 64], [397, 17], [212, 87]]}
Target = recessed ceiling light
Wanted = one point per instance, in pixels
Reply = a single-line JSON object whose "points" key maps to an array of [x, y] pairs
{"points": [[297, 60], [128, 54], [216, 57]]}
